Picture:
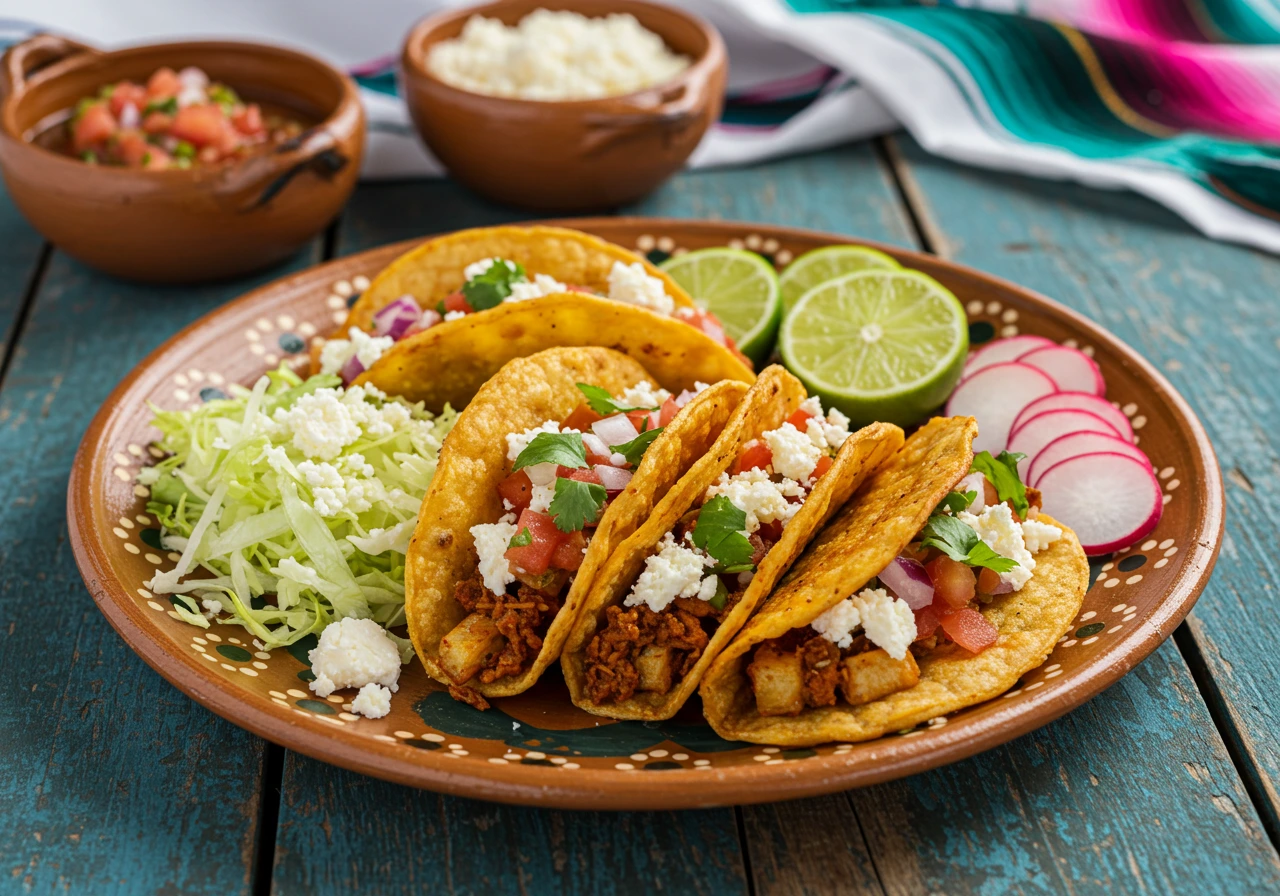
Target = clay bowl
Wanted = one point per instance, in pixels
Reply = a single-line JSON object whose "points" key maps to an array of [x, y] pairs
{"points": [[571, 155], [180, 225]]}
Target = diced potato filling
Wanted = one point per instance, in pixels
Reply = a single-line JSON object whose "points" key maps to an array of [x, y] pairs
{"points": [[469, 647], [656, 666], [778, 680], [874, 674]]}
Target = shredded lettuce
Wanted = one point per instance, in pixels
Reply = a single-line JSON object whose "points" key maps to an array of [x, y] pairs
{"points": [[292, 504]]}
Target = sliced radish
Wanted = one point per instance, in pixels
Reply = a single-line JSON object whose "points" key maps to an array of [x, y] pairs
{"points": [[1077, 443], [1032, 436], [1002, 351], [1079, 401], [1110, 500], [995, 395], [1070, 368]]}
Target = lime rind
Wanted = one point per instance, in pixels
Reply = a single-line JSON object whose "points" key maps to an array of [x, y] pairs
{"points": [[827, 263], [739, 287]]}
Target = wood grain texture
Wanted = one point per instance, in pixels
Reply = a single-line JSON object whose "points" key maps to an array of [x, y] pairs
{"points": [[809, 846], [20, 253], [1207, 314], [113, 781]]}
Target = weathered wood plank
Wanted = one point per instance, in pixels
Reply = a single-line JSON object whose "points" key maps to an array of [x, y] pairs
{"points": [[808, 846], [113, 781], [1205, 312], [20, 251]]}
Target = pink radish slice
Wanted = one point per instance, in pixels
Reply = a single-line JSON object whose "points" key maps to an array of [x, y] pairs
{"points": [[1002, 351], [1110, 500], [1079, 401], [1077, 443], [995, 395], [1070, 368], [1032, 436]]}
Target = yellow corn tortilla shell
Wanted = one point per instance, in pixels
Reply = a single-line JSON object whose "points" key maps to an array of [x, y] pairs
{"points": [[774, 397], [881, 520], [433, 270], [473, 460], [448, 363]]}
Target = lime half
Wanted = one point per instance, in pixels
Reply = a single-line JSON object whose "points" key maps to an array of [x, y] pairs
{"points": [[740, 288], [879, 345], [828, 263]]}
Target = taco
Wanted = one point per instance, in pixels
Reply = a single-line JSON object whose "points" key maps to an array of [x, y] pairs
{"points": [[681, 586], [557, 460], [442, 318], [937, 587]]}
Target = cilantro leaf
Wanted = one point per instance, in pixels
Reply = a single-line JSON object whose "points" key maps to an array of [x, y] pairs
{"points": [[521, 539], [720, 531], [957, 501], [959, 542], [487, 290], [563, 448], [603, 403], [634, 450], [721, 597], [1002, 473], [166, 106], [576, 504]]}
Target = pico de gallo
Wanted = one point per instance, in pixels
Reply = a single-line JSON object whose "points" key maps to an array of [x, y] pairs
{"points": [[564, 475], [701, 569], [977, 544], [489, 283], [174, 120]]}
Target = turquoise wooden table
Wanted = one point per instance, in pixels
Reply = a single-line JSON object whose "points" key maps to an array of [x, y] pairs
{"points": [[111, 781]]}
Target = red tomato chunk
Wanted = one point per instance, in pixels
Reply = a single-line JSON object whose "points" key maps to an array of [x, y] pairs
{"points": [[970, 630], [535, 557], [568, 554], [517, 489], [953, 582], [756, 456]]}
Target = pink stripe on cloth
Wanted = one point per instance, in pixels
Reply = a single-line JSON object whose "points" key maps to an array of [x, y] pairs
{"points": [[374, 66], [786, 88]]}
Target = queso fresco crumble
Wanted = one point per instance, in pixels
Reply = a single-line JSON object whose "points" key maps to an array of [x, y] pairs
{"points": [[555, 55]]}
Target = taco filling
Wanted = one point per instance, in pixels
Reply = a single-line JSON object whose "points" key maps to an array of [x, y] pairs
{"points": [[491, 282], [979, 543], [701, 569], [564, 475]]}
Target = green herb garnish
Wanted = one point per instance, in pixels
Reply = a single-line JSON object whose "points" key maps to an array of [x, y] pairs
{"points": [[1002, 472], [603, 403], [959, 542], [721, 532], [488, 290], [634, 450], [165, 107], [521, 539], [721, 596], [576, 503], [184, 150], [563, 448], [957, 501]]}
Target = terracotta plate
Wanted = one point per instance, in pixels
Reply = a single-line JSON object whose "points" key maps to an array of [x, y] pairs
{"points": [[537, 748]]}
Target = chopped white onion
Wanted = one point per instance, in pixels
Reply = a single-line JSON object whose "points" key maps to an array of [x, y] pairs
{"points": [[541, 474], [684, 398], [192, 77], [613, 479], [615, 430], [595, 445], [974, 482], [130, 117], [908, 581]]}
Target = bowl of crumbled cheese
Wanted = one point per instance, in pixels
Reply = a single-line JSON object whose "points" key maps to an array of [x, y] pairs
{"points": [[564, 105]]}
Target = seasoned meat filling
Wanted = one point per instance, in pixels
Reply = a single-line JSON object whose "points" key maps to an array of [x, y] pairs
{"points": [[639, 649]]}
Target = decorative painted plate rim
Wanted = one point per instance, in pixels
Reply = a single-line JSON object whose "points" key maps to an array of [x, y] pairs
{"points": [[885, 759]]}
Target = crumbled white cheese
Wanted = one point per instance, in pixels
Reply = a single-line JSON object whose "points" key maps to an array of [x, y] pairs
{"points": [[540, 497], [364, 347], [352, 653], [643, 395], [887, 621], [326, 421], [476, 268], [380, 541], [373, 701], [794, 455], [675, 571], [632, 284], [707, 590], [838, 623], [1037, 536], [212, 606], [542, 285], [518, 441], [997, 527], [555, 55], [333, 493], [454, 315], [758, 496], [828, 432], [492, 541]]}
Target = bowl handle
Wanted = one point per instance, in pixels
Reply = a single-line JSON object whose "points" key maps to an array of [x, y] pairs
{"points": [[677, 109], [257, 180], [36, 52]]}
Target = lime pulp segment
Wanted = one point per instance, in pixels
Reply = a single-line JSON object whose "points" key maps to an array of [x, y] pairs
{"points": [[828, 263], [739, 287]]}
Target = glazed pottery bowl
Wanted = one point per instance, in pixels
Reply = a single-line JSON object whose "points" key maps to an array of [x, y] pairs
{"points": [[569, 155], [180, 225]]}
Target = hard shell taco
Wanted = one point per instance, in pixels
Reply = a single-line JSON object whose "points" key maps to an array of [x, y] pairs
{"points": [[681, 586], [442, 318], [559, 457], [935, 588]]}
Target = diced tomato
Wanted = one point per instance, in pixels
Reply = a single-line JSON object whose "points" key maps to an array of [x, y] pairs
{"points": [[706, 322], [953, 582], [581, 420], [800, 419], [163, 84], [668, 411], [824, 464], [755, 456], [568, 554], [535, 557], [927, 620], [517, 489], [133, 148], [201, 126], [969, 629], [770, 532], [645, 420], [157, 123], [456, 301], [573, 287], [581, 475], [988, 580], [95, 125], [126, 93], [248, 120], [990, 497], [156, 159]]}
